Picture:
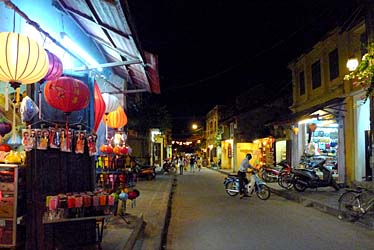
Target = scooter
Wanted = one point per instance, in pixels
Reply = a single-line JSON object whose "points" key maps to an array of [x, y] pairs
{"points": [[308, 178], [231, 184]]}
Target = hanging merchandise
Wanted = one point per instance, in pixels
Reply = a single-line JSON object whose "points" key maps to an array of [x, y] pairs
{"points": [[79, 141], [15, 139], [28, 109], [22, 61], [116, 119], [91, 143], [42, 136], [55, 69], [99, 107]]}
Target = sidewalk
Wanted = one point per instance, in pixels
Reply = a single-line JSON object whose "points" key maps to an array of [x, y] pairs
{"points": [[150, 209], [324, 199]]}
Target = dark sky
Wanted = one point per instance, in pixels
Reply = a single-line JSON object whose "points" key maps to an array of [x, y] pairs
{"points": [[212, 50]]}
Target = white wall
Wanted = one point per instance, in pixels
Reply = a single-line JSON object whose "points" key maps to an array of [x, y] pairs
{"points": [[362, 124]]}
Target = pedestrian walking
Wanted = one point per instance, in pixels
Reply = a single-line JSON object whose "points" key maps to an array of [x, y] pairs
{"points": [[199, 163]]}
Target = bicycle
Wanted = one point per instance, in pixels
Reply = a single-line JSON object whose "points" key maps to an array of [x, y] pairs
{"points": [[355, 203]]}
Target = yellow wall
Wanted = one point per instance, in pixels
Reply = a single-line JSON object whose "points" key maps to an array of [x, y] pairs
{"points": [[350, 141]]}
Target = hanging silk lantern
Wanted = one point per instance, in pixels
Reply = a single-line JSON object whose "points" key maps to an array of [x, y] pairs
{"points": [[111, 102], [99, 107], [28, 109], [22, 60], [67, 94], [5, 128], [116, 119], [55, 69]]}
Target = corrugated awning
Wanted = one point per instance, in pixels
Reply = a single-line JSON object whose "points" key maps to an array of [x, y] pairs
{"points": [[332, 107], [106, 23]]}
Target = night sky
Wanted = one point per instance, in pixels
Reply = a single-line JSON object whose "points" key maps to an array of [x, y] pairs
{"points": [[212, 50]]}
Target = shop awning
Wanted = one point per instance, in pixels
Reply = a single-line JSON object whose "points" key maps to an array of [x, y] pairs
{"points": [[331, 109], [109, 24]]}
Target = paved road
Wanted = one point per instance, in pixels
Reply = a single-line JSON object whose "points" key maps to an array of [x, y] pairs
{"points": [[204, 217]]}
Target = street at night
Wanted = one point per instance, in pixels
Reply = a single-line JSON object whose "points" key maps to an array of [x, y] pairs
{"points": [[204, 217]]}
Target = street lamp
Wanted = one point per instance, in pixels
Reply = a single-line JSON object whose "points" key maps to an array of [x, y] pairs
{"points": [[194, 126], [352, 63]]}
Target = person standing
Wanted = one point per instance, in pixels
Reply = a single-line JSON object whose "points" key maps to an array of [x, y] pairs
{"points": [[192, 164], [242, 175], [181, 165]]}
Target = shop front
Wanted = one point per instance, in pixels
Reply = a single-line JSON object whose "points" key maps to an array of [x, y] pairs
{"points": [[320, 136]]}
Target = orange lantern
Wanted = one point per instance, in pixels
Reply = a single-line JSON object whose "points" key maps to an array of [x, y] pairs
{"points": [[116, 119], [117, 150]]}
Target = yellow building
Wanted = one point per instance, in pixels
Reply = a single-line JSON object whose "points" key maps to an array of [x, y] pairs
{"points": [[330, 118]]}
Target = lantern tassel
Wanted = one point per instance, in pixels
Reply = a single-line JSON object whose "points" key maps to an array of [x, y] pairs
{"points": [[40, 102], [67, 132], [6, 97]]}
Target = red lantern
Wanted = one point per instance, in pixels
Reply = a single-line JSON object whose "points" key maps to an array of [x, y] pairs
{"points": [[99, 107], [106, 149], [124, 150], [5, 147], [116, 119], [67, 94]]}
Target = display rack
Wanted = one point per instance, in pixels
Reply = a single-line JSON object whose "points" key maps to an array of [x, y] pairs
{"points": [[11, 209]]}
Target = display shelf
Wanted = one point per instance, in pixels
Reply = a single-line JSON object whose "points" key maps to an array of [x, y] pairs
{"points": [[76, 219], [9, 205]]}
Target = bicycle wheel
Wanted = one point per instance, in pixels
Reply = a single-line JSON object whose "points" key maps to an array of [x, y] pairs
{"points": [[349, 206]]}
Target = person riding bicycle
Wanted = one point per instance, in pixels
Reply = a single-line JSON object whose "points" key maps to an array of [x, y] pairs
{"points": [[242, 175]]}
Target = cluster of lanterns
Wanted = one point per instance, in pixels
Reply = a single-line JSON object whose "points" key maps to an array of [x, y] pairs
{"points": [[118, 150], [25, 62]]}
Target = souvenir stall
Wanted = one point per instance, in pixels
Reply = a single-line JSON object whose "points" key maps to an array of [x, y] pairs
{"points": [[49, 197]]}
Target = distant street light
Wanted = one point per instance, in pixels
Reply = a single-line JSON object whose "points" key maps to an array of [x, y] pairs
{"points": [[194, 126]]}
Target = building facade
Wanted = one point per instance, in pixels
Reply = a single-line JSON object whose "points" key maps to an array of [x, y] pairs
{"points": [[330, 119]]}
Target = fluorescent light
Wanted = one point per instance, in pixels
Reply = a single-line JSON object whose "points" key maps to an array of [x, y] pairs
{"points": [[69, 44]]}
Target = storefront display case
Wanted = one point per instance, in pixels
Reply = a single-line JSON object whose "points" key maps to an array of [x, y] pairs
{"points": [[12, 205]]}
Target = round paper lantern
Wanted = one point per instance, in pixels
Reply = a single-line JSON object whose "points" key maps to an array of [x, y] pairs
{"points": [[99, 107], [22, 60], [132, 195], [105, 148], [124, 150], [116, 119], [28, 109], [55, 67], [5, 127], [123, 196], [67, 94], [117, 150], [111, 102], [5, 147]]}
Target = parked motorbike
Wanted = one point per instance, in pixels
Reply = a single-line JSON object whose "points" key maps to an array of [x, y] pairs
{"points": [[145, 171], [308, 178], [271, 174], [231, 184]]}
